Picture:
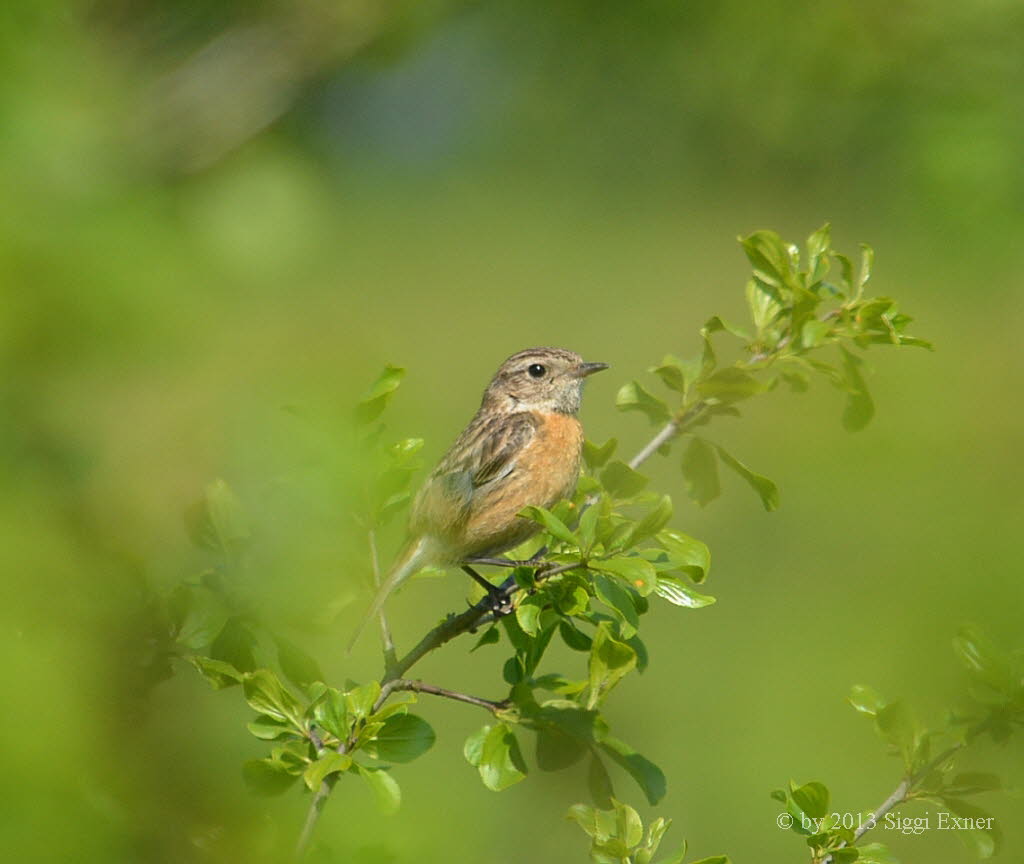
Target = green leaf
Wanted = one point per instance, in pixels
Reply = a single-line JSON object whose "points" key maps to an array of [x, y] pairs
{"points": [[528, 613], [652, 522], [714, 859], [763, 304], [298, 667], [814, 333], [677, 858], [551, 523], [866, 699], [812, 798], [895, 724], [797, 380], [570, 599], [984, 661], [385, 790], [982, 840], [574, 638], [648, 776], [500, 762], [629, 828], [610, 661], [268, 729], [267, 777], [672, 373], [766, 490], [819, 244], [612, 594], [330, 762], [587, 818], [638, 572], [599, 783], [860, 407], [595, 456], [767, 255], [217, 522], [875, 853], [204, 617], [404, 737], [235, 644], [633, 397], [360, 700], [692, 555], [678, 592], [557, 749], [519, 639], [700, 470], [717, 323], [655, 831], [867, 260], [331, 713], [474, 747], [730, 384], [266, 695], [216, 672], [586, 530], [976, 781], [488, 637], [621, 481], [375, 401]]}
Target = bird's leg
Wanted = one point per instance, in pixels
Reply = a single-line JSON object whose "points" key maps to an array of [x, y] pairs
{"points": [[499, 603], [498, 562], [476, 577]]}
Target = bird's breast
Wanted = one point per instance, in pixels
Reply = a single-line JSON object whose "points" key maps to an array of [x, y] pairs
{"points": [[545, 472]]}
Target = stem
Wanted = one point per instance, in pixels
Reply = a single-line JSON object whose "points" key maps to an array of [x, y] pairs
{"points": [[421, 687], [674, 427], [319, 799], [317, 804], [387, 643], [902, 791], [667, 433]]}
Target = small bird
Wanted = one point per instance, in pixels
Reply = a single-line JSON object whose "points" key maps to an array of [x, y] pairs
{"points": [[521, 449]]}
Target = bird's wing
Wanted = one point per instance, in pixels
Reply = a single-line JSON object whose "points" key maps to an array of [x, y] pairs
{"points": [[501, 444], [485, 452]]}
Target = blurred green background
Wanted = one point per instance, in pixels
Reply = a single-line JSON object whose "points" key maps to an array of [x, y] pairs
{"points": [[221, 218]]}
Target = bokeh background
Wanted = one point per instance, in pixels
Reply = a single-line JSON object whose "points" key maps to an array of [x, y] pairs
{"points": [[221, 218]]}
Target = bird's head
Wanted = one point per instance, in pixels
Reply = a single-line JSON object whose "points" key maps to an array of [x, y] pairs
{"points": [[540, 379]]}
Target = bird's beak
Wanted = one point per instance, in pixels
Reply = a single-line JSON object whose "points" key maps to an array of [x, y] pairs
{"points": [[585, 369]]}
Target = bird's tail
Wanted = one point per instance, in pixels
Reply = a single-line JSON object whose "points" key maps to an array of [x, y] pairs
{"points": [[415, 557]]}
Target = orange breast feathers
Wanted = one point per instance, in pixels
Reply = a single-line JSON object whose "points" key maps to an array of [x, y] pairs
{"points": [[545, 472]]}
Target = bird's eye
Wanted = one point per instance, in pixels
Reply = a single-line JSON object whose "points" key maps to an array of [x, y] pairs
{"points": [[536, 370]]}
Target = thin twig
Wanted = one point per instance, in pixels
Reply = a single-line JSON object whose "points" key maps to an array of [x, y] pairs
{"points": [[317, 804], [387, 643], [421, 687], [667, 433], [674, 427], [312, 816], [906, 786]]}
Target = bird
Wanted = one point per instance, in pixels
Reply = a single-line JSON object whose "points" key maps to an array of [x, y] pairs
{"points": [[522, 448]]}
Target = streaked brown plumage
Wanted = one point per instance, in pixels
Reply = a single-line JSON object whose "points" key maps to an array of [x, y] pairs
{"points": [[521, 449]]}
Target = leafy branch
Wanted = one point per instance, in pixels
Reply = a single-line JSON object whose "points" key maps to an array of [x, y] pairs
{"points": [[588, 578], [995, 706]]}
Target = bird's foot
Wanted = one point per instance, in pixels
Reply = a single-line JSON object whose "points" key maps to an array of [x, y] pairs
{"points": [[498, 600]]}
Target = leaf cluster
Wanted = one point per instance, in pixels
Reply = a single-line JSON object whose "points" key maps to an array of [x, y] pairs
{"points": [[617, 836], [801, 307], [324, 732], [995, 707]]}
